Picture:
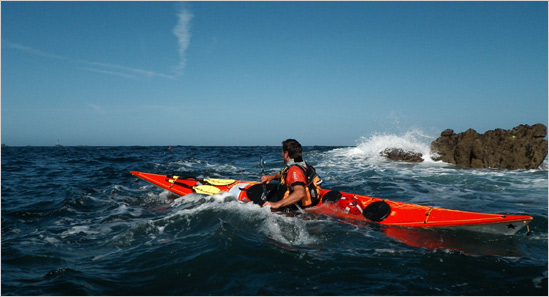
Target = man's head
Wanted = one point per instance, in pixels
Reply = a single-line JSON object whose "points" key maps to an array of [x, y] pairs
{"points": [[293, 148]]}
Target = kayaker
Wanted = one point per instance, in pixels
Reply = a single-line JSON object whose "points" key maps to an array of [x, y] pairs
{"points": [[297, 176]]}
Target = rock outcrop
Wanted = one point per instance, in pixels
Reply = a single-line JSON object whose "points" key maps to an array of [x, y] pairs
{"points": [[522, 147], [402, 155]]}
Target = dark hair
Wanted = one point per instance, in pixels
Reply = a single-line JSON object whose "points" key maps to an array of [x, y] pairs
{"points": [[294, 149]]}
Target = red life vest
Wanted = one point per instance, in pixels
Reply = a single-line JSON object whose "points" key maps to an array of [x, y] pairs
{"points": [[311, 183]]}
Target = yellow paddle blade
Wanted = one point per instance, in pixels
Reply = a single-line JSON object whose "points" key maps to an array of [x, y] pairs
{"points": [[219, 182], [206, 190]]}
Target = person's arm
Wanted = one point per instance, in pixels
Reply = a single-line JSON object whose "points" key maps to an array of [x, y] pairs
{"points": [[297, 195], [269, 178]]}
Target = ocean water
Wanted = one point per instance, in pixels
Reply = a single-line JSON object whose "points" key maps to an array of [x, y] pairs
{"points": [[76, 222]]}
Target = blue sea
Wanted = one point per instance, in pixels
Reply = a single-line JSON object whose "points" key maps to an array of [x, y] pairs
{"points": [[76, 222]]}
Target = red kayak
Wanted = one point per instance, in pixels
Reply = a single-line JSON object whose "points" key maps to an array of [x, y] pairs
{"points": [[351, 206]]}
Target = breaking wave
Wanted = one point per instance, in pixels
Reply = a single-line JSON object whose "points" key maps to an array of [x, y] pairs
{"points": [[373, 146]]}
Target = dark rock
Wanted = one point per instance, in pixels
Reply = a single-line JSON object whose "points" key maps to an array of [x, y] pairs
{"points": [[522, 147], [447, 132], [401, 155]]}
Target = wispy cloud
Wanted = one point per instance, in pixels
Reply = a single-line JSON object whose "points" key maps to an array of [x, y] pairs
{"points": [[182, 32], [122, 71], [97, 108], [140, 72], [31, 51], [114, 73]]}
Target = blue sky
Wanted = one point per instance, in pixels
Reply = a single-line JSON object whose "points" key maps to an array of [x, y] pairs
{"points": [[256, 73]]}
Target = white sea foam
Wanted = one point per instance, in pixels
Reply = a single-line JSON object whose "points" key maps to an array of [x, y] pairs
{"points": [[369, 151], [78, 230], [544, 165], [288, 231], [412, 141]]}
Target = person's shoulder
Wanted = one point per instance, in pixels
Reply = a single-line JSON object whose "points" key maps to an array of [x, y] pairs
{"points": [[296, 169]]}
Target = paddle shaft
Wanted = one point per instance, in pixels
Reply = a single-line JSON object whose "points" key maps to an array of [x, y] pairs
{"points": [[264, 194]]}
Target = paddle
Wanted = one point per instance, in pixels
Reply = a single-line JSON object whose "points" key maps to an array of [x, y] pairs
{"points": [[264, 194], [200, 189], [207, 189], [207, 181]]}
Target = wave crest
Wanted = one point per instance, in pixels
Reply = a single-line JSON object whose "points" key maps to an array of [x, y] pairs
{"points": [[372, 147]]}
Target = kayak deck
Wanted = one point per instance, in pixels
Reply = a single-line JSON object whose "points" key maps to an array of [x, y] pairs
{"points": [[370, 209]]}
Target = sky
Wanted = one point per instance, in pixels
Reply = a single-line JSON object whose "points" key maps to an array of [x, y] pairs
{"points": [[257, 73]]}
